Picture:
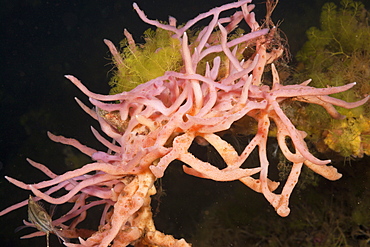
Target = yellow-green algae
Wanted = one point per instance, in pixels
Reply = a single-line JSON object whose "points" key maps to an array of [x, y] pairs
{"points": [[143, 63], [336, 54], [160, 53]]}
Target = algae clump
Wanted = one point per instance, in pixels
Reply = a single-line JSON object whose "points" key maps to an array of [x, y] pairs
{"points": [[144, 62], [336, 54], [160, 53]]}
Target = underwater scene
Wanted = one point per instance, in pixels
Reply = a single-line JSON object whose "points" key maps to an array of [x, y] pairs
{"points": [[185, 123]]}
